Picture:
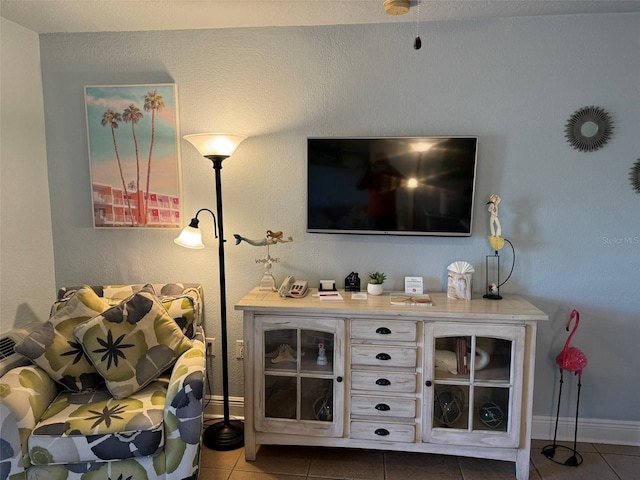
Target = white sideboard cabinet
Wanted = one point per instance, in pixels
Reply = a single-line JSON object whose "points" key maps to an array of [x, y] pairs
{"points": [[453, 378]]}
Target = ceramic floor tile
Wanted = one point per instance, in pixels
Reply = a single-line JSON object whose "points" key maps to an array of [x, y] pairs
{"points": [[582, 447], [601, 462], [483, 469], [594, 467], [287, 451], [281, 459], [627, 467], [347, 464], [323, 478], [275, 464], [533, 473], [240, 475], [215, 459], [410, 466], [617, 449], [214, 474]]}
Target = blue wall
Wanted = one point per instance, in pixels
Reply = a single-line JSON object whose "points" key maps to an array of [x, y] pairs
{"points": [[572, 216]]}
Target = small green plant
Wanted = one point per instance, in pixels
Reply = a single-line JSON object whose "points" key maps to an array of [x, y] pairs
{"points": [[377, 278]]}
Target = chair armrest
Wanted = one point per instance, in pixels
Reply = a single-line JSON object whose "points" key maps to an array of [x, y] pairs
{"points": [[25, 394], [184, 410]]}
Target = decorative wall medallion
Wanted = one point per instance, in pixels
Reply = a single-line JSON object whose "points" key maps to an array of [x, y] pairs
{"points": [[634, 176], [588, 129]]}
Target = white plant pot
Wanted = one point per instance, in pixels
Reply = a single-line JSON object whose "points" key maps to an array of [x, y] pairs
{"points": [[374, 288]]}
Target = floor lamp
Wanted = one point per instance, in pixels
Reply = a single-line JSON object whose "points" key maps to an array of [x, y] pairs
{"points": [[228, 434]]}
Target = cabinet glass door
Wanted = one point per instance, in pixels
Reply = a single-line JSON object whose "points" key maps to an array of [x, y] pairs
{"points": [[301, 376], [473, 377]]}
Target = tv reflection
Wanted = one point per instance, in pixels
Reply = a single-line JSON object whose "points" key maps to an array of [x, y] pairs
{"points": [[382, 180]]}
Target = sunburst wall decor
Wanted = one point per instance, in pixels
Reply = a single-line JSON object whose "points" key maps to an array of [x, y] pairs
{"points": [[588, 129], [634, 176]]}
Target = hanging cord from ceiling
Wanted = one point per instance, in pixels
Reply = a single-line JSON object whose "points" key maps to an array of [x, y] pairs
{"points": [[417, 43]]}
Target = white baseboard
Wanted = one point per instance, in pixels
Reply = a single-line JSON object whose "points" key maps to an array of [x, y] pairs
{"points": [[214, 407], [589, 430]]}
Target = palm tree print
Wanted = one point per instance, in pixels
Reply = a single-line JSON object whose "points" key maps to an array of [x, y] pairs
{"points": [[152, 103], [121, 477], [112, 118], [106, 415], [134, 115], [112, 349], [146, 162], [76, 349]]}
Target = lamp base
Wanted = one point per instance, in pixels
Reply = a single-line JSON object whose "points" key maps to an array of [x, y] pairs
{"points": [[492, 296], [223, 436]]}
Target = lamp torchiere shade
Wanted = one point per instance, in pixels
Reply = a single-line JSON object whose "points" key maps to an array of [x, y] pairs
{"points": [[190, 237], [215, 144]]}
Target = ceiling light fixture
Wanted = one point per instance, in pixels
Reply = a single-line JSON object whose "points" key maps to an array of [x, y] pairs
{"points": [[396, 7]]}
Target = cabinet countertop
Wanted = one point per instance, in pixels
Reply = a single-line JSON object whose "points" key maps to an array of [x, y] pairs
{"points": [[512, 308]]}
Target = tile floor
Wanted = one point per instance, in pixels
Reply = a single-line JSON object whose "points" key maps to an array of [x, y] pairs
{"points": [[601, 462]]}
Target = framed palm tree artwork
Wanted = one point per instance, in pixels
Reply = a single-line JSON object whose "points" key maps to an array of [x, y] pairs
{"points": [[134, 155]]}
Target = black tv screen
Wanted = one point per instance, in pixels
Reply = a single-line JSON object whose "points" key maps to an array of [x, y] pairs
{"points": [[391, 185]]}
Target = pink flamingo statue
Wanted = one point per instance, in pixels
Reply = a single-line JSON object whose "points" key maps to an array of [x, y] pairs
{"points": [[573, 360]]}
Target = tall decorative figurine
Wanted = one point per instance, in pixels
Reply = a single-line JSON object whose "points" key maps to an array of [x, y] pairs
{"points": [[268, 283], [497, 243], [322, 356]]}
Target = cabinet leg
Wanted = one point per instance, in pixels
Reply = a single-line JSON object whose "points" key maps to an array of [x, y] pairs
{"points": [[523, 461], [250, 450]]}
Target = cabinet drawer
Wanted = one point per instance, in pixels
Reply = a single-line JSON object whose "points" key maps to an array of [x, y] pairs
{"points": [[383, 406], [383, 356], [384, 432], [383, 381], [384, 330]]}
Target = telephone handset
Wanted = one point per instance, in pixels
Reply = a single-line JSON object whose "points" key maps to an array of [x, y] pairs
{"points": [[292, 288]]}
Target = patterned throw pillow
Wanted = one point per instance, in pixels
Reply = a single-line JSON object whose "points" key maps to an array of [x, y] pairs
{"points": [[182, 303], [132, 343], [54, 348], [183, 311]]}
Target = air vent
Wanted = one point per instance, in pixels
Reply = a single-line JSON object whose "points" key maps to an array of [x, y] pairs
{"points": [[8, 357], [6, 347]]}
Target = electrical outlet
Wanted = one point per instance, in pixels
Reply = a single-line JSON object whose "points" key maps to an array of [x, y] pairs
{"points": [[240, 349], [210, 343]]}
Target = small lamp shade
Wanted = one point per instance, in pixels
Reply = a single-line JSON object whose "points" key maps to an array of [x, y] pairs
{"points": [[215, 144], [190, 237]]}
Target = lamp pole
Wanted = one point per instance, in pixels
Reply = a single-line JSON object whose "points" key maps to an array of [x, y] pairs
{"points": [[228, 434]]}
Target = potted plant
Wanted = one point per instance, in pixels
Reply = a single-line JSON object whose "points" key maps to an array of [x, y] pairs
{"points": [[376, 279]]}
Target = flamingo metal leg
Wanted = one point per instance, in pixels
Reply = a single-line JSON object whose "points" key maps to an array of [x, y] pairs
{"points": [[549, 451], [576, 458]]}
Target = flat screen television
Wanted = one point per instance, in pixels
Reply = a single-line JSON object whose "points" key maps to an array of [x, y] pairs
{"points": [[391, 185]]}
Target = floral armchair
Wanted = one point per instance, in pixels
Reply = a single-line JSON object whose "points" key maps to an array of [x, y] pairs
{"points": [[116, 389]]}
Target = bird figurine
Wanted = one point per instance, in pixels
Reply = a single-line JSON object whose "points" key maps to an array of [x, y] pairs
{"points": [[571, 359], [270, 239]]}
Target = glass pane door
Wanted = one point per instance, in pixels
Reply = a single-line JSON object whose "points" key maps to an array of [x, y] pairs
{"points": [[299, 379], [476, 378]]}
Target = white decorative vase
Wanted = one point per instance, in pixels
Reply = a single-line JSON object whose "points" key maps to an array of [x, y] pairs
{"points": [[374, 288]]}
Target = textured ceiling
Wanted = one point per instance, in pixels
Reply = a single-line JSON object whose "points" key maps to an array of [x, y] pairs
{"points": [[52, 16]]}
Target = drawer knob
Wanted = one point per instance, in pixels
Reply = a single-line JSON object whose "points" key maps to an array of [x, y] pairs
{"points": [[339, 379], [383, 382], [383, 331], [383, 432], [383, 407], [383, 356], [428, 383]]}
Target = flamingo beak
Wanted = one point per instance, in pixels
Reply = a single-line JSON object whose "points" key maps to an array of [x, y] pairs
{"points": [[574, 314]]}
